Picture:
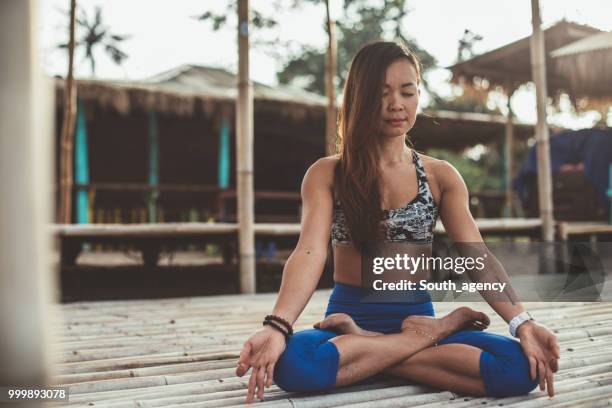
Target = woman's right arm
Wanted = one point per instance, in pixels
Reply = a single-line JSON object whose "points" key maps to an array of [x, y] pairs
{"points": [[301, 274], [305, 265]]}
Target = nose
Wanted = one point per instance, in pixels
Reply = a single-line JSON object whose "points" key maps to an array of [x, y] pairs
{"points": [[395, 106], [394, 103]]}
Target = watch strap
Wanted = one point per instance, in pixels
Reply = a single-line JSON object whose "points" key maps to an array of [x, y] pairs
{"points": [[517, 321]]}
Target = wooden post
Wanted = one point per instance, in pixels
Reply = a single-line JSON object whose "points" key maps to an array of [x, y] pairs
{"points": [[26, 277], [244, 146], [66, 138], [509, 152], [81, 164], [153, 166], [330, 74], [538, 69]]}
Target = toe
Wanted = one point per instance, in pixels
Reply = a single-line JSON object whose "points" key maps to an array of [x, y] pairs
{"points": [[484, 318]]}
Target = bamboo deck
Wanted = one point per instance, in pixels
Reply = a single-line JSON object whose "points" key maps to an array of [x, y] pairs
{"points": [[183, 351]]}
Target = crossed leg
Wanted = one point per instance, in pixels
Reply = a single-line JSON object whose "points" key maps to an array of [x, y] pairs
{"points": [[318, 359], [454, 367]]}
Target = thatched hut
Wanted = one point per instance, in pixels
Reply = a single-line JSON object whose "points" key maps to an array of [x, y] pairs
{"points": [[585, 65], [163, 148], [507, 67]]}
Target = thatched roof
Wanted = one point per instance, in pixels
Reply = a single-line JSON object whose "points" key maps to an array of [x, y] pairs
{"points": [[188, 89], [458, 130], [586, 66], [510, 65]]}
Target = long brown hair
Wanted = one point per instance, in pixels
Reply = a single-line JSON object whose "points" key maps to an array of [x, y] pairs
{"points": [[356, 176]]}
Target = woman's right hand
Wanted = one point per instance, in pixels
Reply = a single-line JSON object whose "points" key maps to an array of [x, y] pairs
{"points": [[261, 352]]}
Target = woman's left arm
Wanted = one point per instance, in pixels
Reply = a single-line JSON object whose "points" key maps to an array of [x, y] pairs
{"points": [[539, 343]]}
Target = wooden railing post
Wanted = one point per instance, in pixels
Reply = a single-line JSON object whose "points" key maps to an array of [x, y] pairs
{"points": [[26, 278]]}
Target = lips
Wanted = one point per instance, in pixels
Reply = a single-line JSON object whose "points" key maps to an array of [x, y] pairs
{"points": [[395, 121]]}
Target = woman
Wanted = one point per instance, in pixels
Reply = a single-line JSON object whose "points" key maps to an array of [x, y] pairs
{"points": [[357, 196]]}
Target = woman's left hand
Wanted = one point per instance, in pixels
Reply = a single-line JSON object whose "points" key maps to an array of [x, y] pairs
{"points": [[542, 351]]}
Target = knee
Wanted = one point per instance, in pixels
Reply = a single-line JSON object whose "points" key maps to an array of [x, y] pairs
{"points": [[508, 375], [309, 362]]}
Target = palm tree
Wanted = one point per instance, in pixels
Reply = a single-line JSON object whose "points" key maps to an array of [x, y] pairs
{"points": [[96, 34], [66, 145]]}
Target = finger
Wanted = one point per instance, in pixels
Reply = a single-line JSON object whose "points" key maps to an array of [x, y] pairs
{"points": [[532, 367], [270, 374], [542, 374], [554, 346], [252, 382], [261, 376], [549, 382], [243, 360], [240, 369], [554, 364], [316, 325]]}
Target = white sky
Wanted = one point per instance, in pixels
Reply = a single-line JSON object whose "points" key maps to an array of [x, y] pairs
{"points": [[164, 36]]}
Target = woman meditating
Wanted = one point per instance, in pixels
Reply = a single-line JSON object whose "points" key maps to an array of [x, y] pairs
{"points": [[359, 196]]}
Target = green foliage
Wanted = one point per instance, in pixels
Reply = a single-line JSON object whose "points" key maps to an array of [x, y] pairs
{"points": [[95, 34], [361, 23], [482, 173], [462, 104]]}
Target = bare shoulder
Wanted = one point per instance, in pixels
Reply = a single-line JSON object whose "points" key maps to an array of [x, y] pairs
{"points": [[321, 172], [441, 173]]}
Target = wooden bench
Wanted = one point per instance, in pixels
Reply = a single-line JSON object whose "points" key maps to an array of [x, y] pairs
{"points": [[149, 238], [569, 233], [567, 229]]}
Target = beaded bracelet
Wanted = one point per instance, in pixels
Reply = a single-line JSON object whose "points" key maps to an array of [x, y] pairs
{"points": [[277, 327], [281, 321]]}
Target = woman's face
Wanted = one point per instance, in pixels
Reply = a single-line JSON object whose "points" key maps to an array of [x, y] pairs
{"points": [[400, 99]]}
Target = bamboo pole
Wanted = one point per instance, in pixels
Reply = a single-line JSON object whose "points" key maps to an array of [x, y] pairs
{"points": [[25, 149], [509, 151], [330, 73], [67, 135], [538, 68], [244, 154]]}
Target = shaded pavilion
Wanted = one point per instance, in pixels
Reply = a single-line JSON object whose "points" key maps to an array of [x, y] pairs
{"points": [[143, 148], [163, 149], [585, 64], [508, 67]]}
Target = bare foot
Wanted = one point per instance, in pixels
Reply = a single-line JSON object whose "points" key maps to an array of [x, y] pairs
{"points": [[343, 324], [441, 327]]}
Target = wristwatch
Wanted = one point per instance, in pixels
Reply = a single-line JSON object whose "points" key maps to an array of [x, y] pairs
{"points": [[517, 321]]}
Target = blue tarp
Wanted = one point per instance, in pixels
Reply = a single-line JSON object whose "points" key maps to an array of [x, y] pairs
{"points": [[591, 146]]}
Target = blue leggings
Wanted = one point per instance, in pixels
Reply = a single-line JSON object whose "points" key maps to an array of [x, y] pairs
{"points": [[310, 360]]}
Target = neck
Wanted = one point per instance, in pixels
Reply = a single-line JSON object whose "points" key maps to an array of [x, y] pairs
{"points": [[393, 152]]}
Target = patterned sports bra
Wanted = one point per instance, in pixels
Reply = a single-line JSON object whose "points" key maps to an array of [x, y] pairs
{"points": [[414, 222]]}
